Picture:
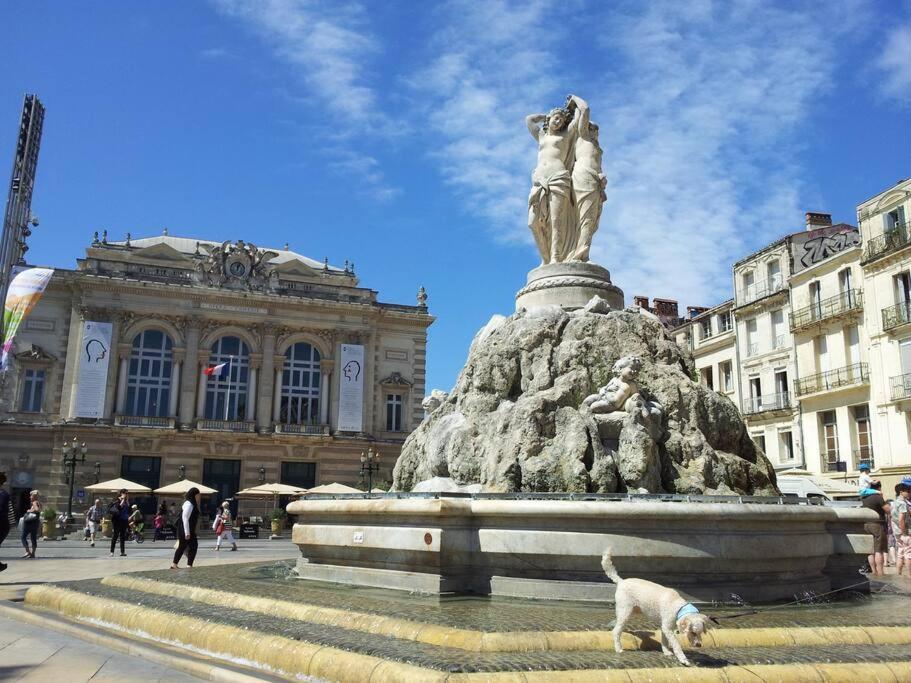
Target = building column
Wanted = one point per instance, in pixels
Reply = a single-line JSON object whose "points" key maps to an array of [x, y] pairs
{"points": [[176, 361], [279, 363], [250, 412], [118, 326], [189, 379], [123, 353], [325, 384], [203, 362], [71, 368], [267, 375]]}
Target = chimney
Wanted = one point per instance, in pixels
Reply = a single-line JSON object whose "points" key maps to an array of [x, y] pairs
{"points": [[693, 311], [818, 220], [665, 308], [640, 301]]}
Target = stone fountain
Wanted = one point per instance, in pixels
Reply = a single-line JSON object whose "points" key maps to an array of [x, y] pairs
{"points": [[576, 424]]}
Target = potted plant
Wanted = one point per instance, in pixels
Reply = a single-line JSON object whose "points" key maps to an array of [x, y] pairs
{"points": [[48, 523], [278, 517]]}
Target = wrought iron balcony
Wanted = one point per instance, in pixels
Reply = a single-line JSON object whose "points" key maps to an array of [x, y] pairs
{"points": [[226, 425], [863, 455], [901, 387], [306, 429], [891, 240], [849, 301], [849, 375], [144, 421], [896, 316], [753, 349], [766, 403], [760, 289]]}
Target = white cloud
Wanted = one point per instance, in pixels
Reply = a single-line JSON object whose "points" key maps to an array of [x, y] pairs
{"points": [[698, 108], [895, 61], [330, 47]]}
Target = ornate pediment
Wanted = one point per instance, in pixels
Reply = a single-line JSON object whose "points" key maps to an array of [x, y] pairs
{"points": [[295, 267], [35, 353], [891, 198], [160, 252], [396, 380], [237, 265]]}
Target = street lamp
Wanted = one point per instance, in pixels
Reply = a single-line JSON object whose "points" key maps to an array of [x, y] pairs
{"points": [[370, 463], [262, 474], [183, 471], [73, 453], [97, 472]]}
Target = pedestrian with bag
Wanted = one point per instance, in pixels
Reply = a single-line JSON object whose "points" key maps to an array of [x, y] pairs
{"points": [[901, 527], [223, 527], [186, 529], [31, 520], [7, 514], [119, 512], [94, 517]]}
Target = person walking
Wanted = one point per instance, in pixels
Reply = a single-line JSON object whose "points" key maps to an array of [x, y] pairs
{"points": [[872, 499], [31, 520], [901, 527], [135, 522], [94, 517], [119, 511], [7, 514], [186, 529], [159, 521], [223, 527]]}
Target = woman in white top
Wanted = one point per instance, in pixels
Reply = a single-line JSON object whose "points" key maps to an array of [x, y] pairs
{"points": [[186, 529], [223, 526]]}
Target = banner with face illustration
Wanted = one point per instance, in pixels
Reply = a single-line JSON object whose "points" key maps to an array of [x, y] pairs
{"points": [[351, 389], [94, 356]]}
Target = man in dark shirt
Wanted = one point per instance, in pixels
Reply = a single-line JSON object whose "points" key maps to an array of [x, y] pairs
{"points": [[120, 516], [5, 509], [877, 529]]}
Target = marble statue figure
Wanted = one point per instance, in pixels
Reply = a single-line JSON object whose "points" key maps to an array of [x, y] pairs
{"points": [[567, 192]]}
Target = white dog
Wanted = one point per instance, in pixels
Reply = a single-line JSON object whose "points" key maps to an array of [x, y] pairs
{"points": [[656, 602]]}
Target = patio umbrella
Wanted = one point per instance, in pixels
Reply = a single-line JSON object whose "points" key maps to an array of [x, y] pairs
{"points": [[334, 488], [114, 485], [180, 488], [267, 490]]}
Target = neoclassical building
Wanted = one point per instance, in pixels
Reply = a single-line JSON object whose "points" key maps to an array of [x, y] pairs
{"points": [[224, 363]]}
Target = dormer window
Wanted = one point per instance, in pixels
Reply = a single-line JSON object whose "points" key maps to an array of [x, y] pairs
{"points": [[894, 219]]}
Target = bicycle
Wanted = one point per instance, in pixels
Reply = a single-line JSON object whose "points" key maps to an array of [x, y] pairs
{"points": [[136, 533]]}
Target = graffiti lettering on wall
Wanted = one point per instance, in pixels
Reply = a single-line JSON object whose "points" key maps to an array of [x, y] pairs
{"points": [[824, 246]]}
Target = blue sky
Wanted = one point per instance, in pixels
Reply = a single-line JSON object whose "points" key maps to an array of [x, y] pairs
{"points": [[392, 134]]}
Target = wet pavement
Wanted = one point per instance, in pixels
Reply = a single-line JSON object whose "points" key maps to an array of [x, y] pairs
{"points": [[274, 580]]}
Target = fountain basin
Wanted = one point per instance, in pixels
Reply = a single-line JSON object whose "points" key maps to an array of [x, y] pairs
{"points": [[550, 548]]}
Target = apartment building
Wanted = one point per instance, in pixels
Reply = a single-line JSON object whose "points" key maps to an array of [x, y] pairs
{"points": [[886, 269], [766, 361], [709, 334]]}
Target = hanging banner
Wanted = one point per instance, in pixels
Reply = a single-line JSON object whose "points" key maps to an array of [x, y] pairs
{"points": [[351, 389], [25, 289], [94, 356]]}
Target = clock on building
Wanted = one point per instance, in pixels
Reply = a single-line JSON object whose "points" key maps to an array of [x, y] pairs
{"points": [[237, 268]]}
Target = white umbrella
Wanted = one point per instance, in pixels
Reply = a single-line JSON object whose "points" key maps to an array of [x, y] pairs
{"points": [[267, 490], [334, 488], [115, 485], [180, 488]]}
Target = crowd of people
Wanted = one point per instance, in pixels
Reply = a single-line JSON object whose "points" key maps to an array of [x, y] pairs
{"points": [[892, 532]]}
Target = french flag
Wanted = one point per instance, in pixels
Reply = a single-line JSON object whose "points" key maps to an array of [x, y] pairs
{"points": [[217, 370]]}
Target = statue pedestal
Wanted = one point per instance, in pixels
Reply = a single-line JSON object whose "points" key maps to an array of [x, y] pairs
{"points": [[569, 285]]}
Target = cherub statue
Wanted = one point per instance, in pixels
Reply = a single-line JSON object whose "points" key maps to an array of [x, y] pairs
{"points": [[622, 392]]}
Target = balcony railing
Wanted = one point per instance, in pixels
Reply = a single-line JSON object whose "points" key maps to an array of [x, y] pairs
{"points": [[863, 455], [760, 289], [833, 379], [846, 302], [753, 349], [768, 402], [143, 421], [896, 316], [832, 465], [891, 240], [307, 429], [901, 387], [226, 425]]}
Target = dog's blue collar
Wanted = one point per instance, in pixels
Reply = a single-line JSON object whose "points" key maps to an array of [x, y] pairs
{"points": [[688, 608]]}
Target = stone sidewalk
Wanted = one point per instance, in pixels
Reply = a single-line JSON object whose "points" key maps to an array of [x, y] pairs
{"points": [[29, 653]]}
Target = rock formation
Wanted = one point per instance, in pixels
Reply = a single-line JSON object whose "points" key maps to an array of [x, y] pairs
{"points": [[517, 419]]}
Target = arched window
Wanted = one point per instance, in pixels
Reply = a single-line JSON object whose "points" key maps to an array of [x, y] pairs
{"points": [[149, 376], [300, 385], [226, 394]]}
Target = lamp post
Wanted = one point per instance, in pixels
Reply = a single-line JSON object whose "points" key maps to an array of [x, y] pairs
{"points": [[262, 474], [370, 463], [97, 472], [183, 471], [73, 453]]}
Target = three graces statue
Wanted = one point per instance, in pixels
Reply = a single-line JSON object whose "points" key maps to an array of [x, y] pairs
{"points": [[567, 190]]}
